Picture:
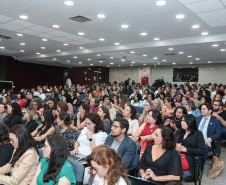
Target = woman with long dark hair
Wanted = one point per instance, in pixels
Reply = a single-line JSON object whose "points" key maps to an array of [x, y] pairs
{"points": [[25, 159], [45, 129], [54, 167], [103, 112], [21, 99], [83, 110]]}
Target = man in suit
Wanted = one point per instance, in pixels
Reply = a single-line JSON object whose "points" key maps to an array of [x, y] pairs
{"points": [[119, 141], [209, 126]]}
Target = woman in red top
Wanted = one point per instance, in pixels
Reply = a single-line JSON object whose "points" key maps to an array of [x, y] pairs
{"points": [[21, 99], [146, 130]]}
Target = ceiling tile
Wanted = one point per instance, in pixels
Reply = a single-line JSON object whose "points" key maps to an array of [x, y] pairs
{"points": [[61, 39], [216, 23], [218, 14], [9, 27], [29, 32], [41, 28], [74, 37], [8, 51], [224, 2], [74, 42], [21, 24], [59, 33], [5, 18], [205, 6], [46, 36], [190, 1]]}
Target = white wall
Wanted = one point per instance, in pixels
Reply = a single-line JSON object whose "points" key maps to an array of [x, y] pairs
{"points": [[218, 75]]}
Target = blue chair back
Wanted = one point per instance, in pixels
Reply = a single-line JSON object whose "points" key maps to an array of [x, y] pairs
{"points": [[82, 97], [38, 122], [73, 116], [78, 133], [139, 109], [78, 170], [138, 114], [136, 158], [118, 114], [1, 99], [14, 97], [40, 153]]}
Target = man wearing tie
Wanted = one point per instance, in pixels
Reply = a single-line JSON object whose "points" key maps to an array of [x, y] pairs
{"points": [[209, 126]]}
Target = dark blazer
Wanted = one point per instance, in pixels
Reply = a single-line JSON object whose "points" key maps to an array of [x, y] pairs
{"points": [[12, 120], [6, 152], [195, 145], [127, 149], [213, 129]]}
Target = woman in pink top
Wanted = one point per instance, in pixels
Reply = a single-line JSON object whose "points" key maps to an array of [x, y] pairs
{"points": [[93, 105], [21, 99]]}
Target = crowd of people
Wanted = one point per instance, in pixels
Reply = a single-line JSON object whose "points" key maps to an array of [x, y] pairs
{"points": [[101, 122]]}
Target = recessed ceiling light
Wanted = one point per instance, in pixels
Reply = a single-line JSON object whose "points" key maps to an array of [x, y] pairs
{"points": [[101, 39], [65, 44], [98, 55], [117, 43], [69, 3], [189, 56], [180, 16], [160, 3], [75, 57], [68, 61], [58, 50], [43, 48], [101, 16], [204, 33], [81, 33], [125, 26], [158, 63], [215, 45], [88, 59], [111, 63], [144, 64], [181, 52], [44, 40], [119, 65], [100, 61], [144, 55], [108, 66], [133, 62], [131, 65], [155, 58], [190, 62], [56, 26], [38, 53], [132, 52], [170, 49], [81, 47], [123, 60], [164, 60], [111, 57], [22, 51], [54, 59], [156, 38], [195, 26], [2, 47], [91, 64], [222, 50], [197, 58], [80, 62], [23, 17], [19, 34], [174, 63], [143, 33], [22, 44], [209, 62]]}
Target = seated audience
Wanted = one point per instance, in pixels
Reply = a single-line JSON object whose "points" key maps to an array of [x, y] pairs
{"points": [[112, 111], [123, 102], [196, 99], [107, 167], [160, 162], [25, 158], [147, 129], [21, 99], [91, 136], [45, 129], [7, 100], [191, 108], [14, 116], [4, 93], [29, 96], [137, 100], [205, 99], [190, 143], [52, 104], [150, 98], [168, 112], [70, 135], [178, 100], [120, 142], [6, 149], [74, 98], [54, 167], [67, 98], [37, 104], [93, 105], [61, 107], [157, 104], [83, 110], [147, 106], [3, 111], [103, 112], [55, 95], [41, 94], [130, 114], [30, 117]]}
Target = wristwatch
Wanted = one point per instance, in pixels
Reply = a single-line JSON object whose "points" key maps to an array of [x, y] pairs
{"points": [[90, 139]]}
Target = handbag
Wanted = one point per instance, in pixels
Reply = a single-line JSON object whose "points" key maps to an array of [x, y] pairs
{"points": [[217, 166], [143, 145], [184, 162]]}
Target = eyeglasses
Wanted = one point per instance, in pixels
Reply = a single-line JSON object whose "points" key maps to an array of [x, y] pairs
{"points": [[216, 105], [115, 126], [96, 170]]}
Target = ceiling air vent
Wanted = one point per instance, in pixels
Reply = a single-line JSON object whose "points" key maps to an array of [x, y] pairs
{"points": [[170, 54], [80, 19], [4, 37], [124, 57], [101, 59]]}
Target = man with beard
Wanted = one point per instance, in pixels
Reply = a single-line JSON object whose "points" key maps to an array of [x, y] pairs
{"points": [[119, 141]]}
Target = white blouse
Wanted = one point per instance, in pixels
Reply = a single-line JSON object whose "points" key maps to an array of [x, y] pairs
{"points": [[100, 181], [133, 126]]}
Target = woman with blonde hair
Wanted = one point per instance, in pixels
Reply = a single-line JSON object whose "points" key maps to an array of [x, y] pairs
{"points": [[107, 167], [30, 116]]}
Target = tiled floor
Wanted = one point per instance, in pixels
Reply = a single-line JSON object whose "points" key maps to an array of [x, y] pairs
{"points": [[205, 179]]}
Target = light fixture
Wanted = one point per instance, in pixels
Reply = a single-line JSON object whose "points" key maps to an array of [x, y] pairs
{"points": [[101, 16], [69, 3], [170, 49], [180, 16], [80, 33], [197, 58], [80, 62], [215, 45], [156, 38], [111, 63], [22, 51], [119, 65], [42, 47], [38, 53], [133, 62], [131, 65], [174, 63], [68, 61], [204, 33], [160, 3], [144, 64], [164, 60], [111, 57], [143, 33], [19, 34], [190, 62], [22, 44], [125, 26], [65, 44], [98, 55], [189, 56], [155, 58], [132, 52], [44, 40], [91, 64], [81, 47], [209, 62], [56, 26], [117, 43], [2, 47], [181, 52], [88, 59], [144, 55], [23, 17], [195, 26], [108, 66], [101, 39], [100, 61], [222, 50], [58, 50], [123, 60], [75, 57], [158, 63], [54, 59]]}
